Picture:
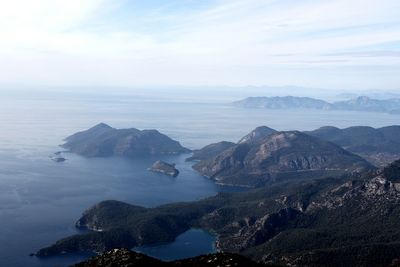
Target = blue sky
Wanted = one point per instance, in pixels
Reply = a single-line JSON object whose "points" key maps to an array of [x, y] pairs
{"points": [[339, 44]]}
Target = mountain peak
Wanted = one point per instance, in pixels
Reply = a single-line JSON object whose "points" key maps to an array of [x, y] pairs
{"points": [[101, 125], [257, 135]]}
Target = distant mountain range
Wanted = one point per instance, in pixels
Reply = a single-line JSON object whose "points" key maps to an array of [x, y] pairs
{"points": [[361, 103], [104, 141]]}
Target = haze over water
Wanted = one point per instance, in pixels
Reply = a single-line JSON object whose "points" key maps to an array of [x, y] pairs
{"points": [[40, 200]]}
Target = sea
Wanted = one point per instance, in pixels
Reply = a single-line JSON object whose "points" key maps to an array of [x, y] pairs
{"points": [[40, 200]]}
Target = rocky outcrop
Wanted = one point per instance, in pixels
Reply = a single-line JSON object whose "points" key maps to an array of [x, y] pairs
{"points": [[381, 189], [121, 257], [364, 214], [165, 168], [257, 135], [259, 231], [256, 161], [127, 258], [103, 141]]}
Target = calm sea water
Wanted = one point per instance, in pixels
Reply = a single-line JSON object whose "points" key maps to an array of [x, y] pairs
{"points": [[192, 243], [40, 200]]}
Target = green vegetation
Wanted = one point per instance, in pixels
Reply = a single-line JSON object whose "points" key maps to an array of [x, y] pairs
{"points": [[346, 221]]}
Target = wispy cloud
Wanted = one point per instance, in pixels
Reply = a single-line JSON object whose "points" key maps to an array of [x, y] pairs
{"points": [[199, 42], [378, 53]]}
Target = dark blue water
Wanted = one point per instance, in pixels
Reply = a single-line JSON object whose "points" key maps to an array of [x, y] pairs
{"points": [[189, 244], [40, 200]]}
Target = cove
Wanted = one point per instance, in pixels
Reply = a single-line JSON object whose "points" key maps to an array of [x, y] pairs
{"points": [[192, 243]]}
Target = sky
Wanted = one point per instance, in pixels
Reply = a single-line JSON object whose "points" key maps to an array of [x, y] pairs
{"points": [[340, 44]]}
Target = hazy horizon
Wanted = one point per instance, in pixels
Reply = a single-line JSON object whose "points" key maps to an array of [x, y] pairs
{"points": [[211, 94]]}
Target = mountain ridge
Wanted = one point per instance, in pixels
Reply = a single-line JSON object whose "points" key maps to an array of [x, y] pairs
{"points": [[380, 146], [360, 103], [353, 218], [124, 257]]}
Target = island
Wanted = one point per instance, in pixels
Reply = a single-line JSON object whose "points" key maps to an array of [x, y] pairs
{"points": [[165, 168], [104, 141], [360, 103], [283, 102], [57, 157]]}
